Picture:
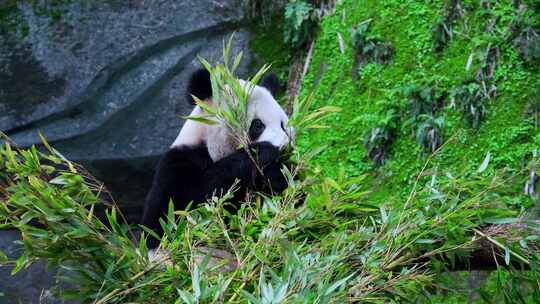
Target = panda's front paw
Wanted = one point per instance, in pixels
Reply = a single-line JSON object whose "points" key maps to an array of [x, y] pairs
{"points": [[273, 181], [265, 153]]}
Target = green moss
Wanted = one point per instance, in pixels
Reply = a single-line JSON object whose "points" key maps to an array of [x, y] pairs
{"points": [[10, 17], [12, 22], [408, 24], [7, 7], [268, 47]]}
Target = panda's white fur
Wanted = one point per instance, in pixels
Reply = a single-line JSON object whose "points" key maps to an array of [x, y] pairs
{"points": [[261, 104]]}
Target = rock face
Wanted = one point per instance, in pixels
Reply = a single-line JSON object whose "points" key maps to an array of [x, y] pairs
{"points": [[105, 83], [32, 285]]}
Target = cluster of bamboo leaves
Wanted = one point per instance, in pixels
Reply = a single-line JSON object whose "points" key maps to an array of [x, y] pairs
{"points": [[442, 31], [424, 111], [320, 242], [229, 96], [525, 31], [423, 116]]}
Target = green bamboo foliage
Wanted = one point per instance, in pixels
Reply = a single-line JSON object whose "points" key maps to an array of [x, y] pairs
{"points": [[320, 242], [378, 141], [368, 47], [229, 96], [532, 110]]}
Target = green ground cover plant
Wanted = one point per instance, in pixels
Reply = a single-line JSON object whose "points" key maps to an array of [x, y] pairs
{"points": [[505, 133], [301, 22]]}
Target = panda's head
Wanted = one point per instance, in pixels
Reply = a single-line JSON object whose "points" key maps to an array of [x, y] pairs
{"points": [[267, 120]]}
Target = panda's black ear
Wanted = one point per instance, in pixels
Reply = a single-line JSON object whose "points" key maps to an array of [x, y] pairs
{"points": [[199, 85], [271, 82]]}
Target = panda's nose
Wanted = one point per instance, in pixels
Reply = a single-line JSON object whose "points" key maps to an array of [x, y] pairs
{"points": [[291, 134], [287, 137], [276, 136]]}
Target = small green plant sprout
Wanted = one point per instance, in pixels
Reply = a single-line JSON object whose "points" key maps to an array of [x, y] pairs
{"points": [[442, 31], [378, 141], [368, 48], [429, 133], [531, 184], [525, 32], [423, 100], [472, 101], [264, 11], [532, 110], [359, 34], [528, 44], [441, 35], [425, 106], [301, 23], [489, 59]]}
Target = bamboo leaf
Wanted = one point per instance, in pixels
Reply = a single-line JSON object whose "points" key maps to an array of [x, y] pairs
{"points": [[506, 256], [501, 221], [485, 163], [201, 119]]}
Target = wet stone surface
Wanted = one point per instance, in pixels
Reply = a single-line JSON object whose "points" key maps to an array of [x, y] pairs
{"points": [[105, 83]]}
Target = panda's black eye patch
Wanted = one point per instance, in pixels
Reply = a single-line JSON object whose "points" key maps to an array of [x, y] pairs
{"points": [[256, 129]]}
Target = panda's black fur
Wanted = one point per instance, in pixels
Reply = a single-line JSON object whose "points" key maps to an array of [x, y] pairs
{"points": [[187, 174], [198, 86]]}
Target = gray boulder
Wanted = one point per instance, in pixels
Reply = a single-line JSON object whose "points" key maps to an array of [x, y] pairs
{"points": [[105, 81]]}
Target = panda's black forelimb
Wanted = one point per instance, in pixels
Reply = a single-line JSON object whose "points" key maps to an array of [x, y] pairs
{"points": [[188, 175]]}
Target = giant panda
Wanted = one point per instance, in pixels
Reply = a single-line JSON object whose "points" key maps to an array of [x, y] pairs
{"points": [[204, 160]]}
